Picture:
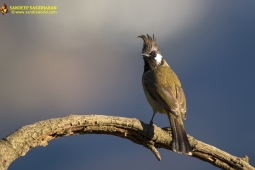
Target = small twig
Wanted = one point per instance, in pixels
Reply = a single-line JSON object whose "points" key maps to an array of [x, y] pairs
{"points": [[154, 151]]}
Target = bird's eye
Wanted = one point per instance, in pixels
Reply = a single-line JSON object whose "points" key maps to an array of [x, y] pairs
{"points": [[153, 54]]}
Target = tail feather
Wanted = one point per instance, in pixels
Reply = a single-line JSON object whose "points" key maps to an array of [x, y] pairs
{"points": [[180, 142]]}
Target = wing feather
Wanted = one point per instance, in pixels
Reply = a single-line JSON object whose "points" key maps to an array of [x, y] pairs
{"points": [[164, 86]]}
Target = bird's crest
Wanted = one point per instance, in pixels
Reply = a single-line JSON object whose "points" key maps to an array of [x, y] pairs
{"points": [[149, 44]]}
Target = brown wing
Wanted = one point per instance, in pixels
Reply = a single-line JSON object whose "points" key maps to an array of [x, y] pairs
{"points": [[163, 95], [164, 86], [181, 100]]}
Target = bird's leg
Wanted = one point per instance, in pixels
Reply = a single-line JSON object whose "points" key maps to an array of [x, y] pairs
{"points": [[151, 122]]}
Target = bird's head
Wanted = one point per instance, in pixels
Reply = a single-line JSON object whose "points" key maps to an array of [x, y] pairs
{"points": [[151, 54]]}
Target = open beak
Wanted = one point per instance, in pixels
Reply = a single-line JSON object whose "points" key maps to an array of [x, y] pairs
{"points": [[145, 55]]}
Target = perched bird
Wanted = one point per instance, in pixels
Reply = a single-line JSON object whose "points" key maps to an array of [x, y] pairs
{"points": [[164, 93]]}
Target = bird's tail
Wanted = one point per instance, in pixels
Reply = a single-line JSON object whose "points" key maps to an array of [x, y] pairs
{"points": [[180, 142]]}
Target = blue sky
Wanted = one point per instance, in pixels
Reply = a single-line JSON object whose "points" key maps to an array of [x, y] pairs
{"points": [[86, 60]]}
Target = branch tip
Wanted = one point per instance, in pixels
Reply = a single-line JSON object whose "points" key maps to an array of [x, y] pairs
{"points": [[154, 151]]}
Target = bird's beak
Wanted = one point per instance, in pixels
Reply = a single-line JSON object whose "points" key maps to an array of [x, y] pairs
{"points": [[145, 55]]}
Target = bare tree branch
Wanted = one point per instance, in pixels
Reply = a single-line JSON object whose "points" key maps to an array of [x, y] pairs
{"points": [[38, 134]]}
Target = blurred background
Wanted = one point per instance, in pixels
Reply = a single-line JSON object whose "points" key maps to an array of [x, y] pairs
{"points": [[86, 60]]}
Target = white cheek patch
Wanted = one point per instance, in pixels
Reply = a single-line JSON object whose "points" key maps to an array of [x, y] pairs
{"points": [[158, 58]]}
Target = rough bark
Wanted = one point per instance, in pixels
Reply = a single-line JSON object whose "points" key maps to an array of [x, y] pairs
{"points": [[38, 134]]}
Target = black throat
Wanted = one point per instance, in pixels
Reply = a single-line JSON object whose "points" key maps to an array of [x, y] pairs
{"points": [[151, 64]]}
